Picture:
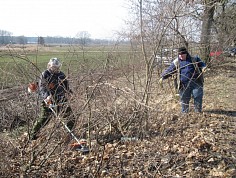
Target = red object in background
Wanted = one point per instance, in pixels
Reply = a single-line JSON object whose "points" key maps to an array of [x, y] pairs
{"points": [[216, 53]]}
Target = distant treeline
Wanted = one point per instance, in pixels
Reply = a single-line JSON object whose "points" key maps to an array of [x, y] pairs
{"points": [[4, 40]]}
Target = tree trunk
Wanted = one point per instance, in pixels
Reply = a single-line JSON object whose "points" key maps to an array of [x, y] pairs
{"points": [[206, 29]]}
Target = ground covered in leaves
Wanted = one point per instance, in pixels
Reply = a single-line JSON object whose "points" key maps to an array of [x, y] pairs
{"points": [[174, 145]]}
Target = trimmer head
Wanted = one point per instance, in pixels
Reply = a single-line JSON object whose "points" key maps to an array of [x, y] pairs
{"points": [[81, 146]]}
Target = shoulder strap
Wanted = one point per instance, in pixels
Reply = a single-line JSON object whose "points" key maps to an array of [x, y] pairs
{"points": [[176, 63]]}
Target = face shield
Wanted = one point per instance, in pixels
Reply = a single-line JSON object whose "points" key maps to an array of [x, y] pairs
{"points": [[54, 65]]}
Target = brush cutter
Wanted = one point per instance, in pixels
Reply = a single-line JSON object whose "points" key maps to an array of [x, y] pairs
{"points": [[80, 145]]}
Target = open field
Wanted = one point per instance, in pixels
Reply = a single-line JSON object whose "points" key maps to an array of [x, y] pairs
{"points": [[22, 64]]}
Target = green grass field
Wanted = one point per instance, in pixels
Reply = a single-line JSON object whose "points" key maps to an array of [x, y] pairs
{"points": [[22, 64]]}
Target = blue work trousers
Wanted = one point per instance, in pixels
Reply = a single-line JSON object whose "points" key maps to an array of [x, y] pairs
{"points": [[192, 89]]}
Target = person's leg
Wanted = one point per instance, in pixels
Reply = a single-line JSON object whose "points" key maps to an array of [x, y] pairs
{"points": [[197, 96], [41, 121], [185, 96]]}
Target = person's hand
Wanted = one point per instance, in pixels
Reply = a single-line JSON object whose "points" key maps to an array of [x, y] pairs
{"points": [[48, 100], [204, 69], [161, 82]]}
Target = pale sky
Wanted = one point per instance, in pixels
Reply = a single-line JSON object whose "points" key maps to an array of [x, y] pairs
{"points": [[101, 18]]}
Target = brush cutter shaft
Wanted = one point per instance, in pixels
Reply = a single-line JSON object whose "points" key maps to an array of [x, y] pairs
{"points": [[54, 112]]}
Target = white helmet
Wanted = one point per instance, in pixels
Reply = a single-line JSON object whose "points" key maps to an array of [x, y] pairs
{"points": [[54, 64]]}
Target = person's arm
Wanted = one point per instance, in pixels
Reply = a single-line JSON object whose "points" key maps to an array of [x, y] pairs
{"points": [[68, 90], [200, 63], [43, 86], [169, 71], [65, 84]]}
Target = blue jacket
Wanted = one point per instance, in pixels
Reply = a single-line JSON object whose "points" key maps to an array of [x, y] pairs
{"points": [[55, 84], [186, 68]]}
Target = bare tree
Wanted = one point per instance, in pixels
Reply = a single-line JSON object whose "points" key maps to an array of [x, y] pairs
{"points": [[207, 20], [84, 37], [5, 37], [225, 23], [41, 40]]}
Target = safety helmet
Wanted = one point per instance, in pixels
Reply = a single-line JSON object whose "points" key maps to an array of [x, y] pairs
{"points": [[54, 64]]}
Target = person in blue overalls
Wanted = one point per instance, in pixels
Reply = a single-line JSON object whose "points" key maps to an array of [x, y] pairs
{"points": [[190, 79]]}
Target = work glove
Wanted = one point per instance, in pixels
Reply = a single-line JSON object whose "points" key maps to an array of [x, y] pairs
{"points": [[48, 100], [161, 82], [32, 87], [204, 69]]}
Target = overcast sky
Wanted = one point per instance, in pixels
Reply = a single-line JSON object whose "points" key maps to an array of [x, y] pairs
{"points": [[101, 18]]}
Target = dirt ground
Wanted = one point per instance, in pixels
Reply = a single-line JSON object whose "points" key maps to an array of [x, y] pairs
{"points": [[175, 145]]}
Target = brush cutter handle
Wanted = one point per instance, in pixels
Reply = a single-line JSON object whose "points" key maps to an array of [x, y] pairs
{"points": [[48, 100]]}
